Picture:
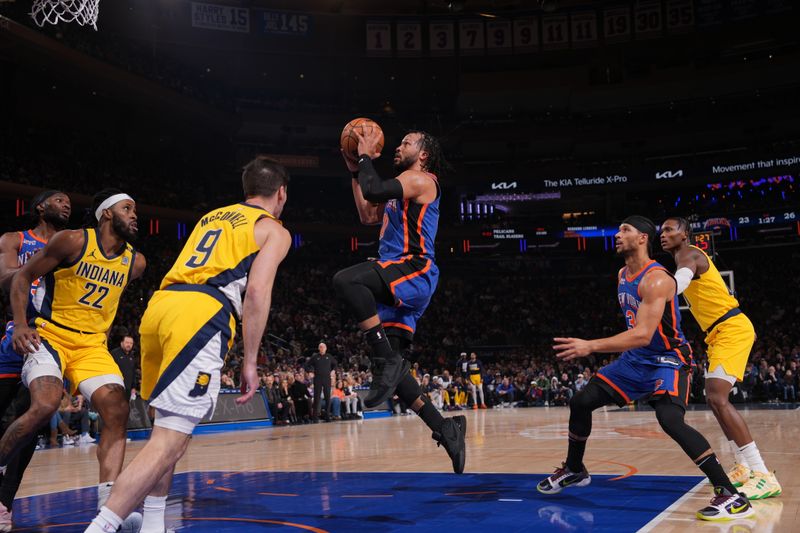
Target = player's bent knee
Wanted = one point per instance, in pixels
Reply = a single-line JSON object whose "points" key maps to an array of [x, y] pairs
{"points": [[716, 401], [589, 398], [41, 412], [341, 281]]}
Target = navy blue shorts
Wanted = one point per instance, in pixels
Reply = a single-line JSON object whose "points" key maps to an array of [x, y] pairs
{"points": [[628, 379], [412, 281]]}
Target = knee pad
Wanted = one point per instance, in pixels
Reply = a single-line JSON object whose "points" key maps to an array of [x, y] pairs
{"points": [[340, 282], [671, 419], [591, 397]]}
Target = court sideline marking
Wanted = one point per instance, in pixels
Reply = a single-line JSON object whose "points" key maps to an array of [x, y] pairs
{"points": [[680, 501]]}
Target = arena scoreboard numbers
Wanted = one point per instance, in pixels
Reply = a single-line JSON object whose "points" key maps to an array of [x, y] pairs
{"points": [[705, 241]]}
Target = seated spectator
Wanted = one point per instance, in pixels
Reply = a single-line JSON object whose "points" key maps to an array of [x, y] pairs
{"points": [[286, 404], [77, 411], [337, 398], [301, 398], [580, 383], [273, 397], [226, 381], [789, 390], [432, 389], [534, 396], [543, 384], [769, 385], [459, 393], [505, 391], [350, 399]]}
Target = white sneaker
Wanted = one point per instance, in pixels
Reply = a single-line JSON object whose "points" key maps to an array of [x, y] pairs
{"points": [[86, 439], [67, 441], [5, 519]]}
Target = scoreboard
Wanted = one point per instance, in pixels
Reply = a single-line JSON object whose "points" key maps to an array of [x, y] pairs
{"points": [[766, 219]]}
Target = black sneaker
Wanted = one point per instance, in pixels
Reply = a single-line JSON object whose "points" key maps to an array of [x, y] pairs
{"points": [[451, 436], [387, 373], [726, 506], [563, 477]]}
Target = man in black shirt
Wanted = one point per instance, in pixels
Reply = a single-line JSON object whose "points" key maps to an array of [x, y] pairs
{"points": [[322, 364], [299, 393], [126, 359]]}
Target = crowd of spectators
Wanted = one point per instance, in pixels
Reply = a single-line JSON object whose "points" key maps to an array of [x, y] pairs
{"points": [[508, 317], [506, 310]]}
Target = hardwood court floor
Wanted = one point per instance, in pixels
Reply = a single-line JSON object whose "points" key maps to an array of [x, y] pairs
{"points": [[520, 441]]}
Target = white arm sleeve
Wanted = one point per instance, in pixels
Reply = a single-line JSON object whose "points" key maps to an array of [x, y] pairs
{"points": [[684, 277]]}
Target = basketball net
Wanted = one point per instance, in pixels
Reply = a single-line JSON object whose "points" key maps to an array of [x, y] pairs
{"points": [[83, 12]]}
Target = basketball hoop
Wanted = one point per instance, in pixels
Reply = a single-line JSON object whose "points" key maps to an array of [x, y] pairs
{"points": [[83, 12]]}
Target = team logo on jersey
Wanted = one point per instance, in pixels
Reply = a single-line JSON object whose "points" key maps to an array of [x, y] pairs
{"points": [[125, 261], [659, 382], [200, 384]]}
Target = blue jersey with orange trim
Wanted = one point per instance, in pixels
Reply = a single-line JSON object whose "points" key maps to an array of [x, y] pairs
{"points": [[11, 361], [409, 228], [668, 340]]}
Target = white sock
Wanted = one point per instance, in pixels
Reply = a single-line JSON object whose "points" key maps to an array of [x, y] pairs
{"points": [[105, 522], [153, 516], [103, 492], [753, 456], [740, 459]]}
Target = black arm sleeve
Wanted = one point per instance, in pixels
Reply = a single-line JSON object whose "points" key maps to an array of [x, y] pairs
{"points": [[373, 187]]}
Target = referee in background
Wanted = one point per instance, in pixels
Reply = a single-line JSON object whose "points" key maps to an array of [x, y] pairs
{"points": [[322, 364]]}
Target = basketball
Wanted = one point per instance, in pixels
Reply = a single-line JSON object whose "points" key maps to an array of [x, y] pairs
{"points": [[349, 141]]}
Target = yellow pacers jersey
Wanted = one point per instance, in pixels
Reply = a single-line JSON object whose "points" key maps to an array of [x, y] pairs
{"points": [[220, 251], [708, 296], [84, 295]]}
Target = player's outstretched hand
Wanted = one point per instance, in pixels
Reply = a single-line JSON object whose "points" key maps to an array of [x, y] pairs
{"points": [[368, 144], [25, 339], [352, 166], [569, 348], [249, 382]]}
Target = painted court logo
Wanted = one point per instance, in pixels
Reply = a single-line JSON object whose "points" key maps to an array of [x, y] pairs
{"points": [[200, 384]]}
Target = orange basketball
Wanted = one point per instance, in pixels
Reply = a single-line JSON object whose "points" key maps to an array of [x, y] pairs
{"points": [[348, 140]]}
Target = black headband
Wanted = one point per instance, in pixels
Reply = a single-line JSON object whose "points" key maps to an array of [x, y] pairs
{"points": [[41, 198], [644, 225]]}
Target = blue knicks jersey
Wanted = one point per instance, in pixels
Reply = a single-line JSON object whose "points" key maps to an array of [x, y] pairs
{"points": [[11, 361], [409, 228], [668, 341]]}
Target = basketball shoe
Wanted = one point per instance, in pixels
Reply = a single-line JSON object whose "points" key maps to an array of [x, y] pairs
{"points": [[451, 436], [562, 478], [739, 475], [726, 506], [761, 485]]}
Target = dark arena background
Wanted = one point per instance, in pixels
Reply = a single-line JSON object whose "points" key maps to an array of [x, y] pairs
{"points": [[559, 118]]}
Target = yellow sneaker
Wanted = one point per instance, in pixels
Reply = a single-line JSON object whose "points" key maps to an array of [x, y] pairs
{"points": [[739, 475], [761, 485]]}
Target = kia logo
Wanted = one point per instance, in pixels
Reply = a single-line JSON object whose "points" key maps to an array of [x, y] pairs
{"points": [[504, 185], [667, 174]]}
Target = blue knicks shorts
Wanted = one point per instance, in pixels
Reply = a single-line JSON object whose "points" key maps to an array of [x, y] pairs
{"points": [[630, 378], [10, 360], [412, 280]]}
